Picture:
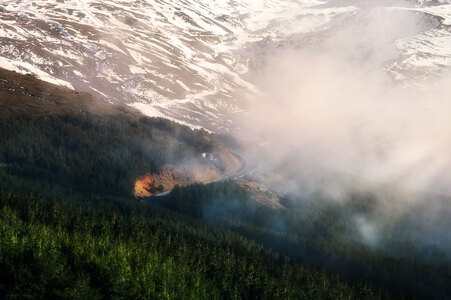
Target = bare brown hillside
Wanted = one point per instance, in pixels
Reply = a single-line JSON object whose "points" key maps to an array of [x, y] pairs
{"points": [[213, 166], [27, 94]]}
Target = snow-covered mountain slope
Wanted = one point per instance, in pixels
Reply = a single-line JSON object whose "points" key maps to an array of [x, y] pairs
{"points": [[190, 60]]}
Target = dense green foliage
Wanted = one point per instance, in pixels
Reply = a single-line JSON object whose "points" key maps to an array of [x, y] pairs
{"points": [[99, 242], [323, 233], [89, 155], [50, 251]]}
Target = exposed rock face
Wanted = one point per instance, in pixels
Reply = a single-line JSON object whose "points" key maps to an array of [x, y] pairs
{"points": [[209, 167], [142, 185]]}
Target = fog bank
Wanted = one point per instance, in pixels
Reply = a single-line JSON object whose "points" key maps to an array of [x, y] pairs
{"points": [[332, 104]]}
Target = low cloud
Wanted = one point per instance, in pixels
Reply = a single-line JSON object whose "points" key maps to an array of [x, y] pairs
{"points": [[331, 107], [325, 105]]}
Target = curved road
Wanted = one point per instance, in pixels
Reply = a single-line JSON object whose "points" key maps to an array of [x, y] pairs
{"points": [[247, 167]]}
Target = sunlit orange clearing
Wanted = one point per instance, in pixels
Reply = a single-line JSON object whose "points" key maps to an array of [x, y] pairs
{"points": [[142, 186]]}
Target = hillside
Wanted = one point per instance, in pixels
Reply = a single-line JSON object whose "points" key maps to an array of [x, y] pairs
{"points": [[85, 164], [51, 250], [198, 61], [342, 104], [26, 95], [86, 236]]}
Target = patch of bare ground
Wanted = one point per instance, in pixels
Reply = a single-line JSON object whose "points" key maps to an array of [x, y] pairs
{"points": [[26, 94], [214, 165]]}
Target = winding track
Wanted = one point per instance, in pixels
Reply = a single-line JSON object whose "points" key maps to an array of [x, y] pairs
{"points": [[247, 166]]}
